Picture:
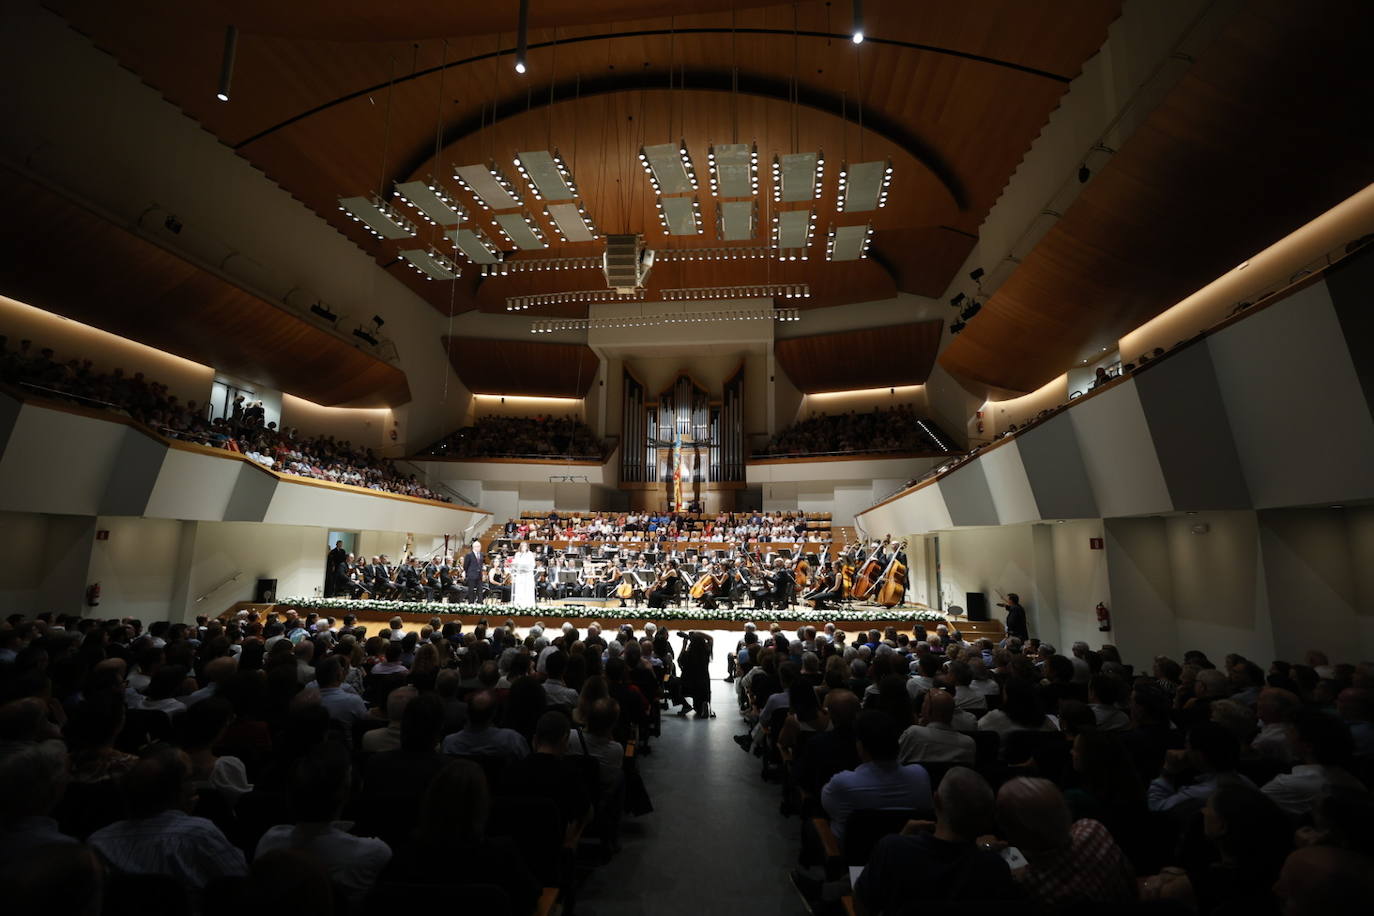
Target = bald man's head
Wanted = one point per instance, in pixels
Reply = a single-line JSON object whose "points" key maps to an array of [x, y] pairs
{"points": [[221, 669], [1320, 880], [843, 707], [1034, 816], [939, 707]]}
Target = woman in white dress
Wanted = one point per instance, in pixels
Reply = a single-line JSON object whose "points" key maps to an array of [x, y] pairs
{"points": [[522, 586]]}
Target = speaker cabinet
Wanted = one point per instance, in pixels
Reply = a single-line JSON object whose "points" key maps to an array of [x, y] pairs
{"points": [[266, 592], [977, 604]]}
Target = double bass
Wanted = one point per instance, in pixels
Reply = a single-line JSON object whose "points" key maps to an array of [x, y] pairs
{"points": [[868, 575], [892, 588]]}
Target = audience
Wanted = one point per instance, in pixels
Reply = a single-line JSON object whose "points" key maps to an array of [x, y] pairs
{"points": [[896, 429], [243, 429], [360, 787], [520, 437]]}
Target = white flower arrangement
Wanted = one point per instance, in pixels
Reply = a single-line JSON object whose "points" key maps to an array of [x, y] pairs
{"points": [[580, 612]]}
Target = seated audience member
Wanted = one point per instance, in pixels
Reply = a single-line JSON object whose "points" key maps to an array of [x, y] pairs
{"points": [[407, 769], [163, 689], [480, 738], [559, 693], [966, 698], [935, 740], [64, 878], [1104, 695], [832, 751], [597, 741], [1108, 788], [1276, 709], [1068, 861], [548, 773], [1321, 880], [1210, 757], [319, 789], [344, 706], [202, 730], [879, 781], [389, 738], [1151, 734], [91, 732], [1250, 837], [289, 882], [453, 818], [1324, 746], [34, 776], [1356, 707], [1021, 711], [160, 837], [941, 861]]}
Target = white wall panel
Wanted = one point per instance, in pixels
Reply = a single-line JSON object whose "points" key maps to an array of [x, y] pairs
{"points": [[1009, 486], [58, 462], [191, 487], [1119, 454]]}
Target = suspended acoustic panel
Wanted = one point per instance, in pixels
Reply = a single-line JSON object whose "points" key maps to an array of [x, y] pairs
{"points": [[522, 367], [899, 354]]}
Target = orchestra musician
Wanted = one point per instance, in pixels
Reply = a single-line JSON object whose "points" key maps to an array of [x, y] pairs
{"points": [[608, 580], [778, 588], [449, 587], [348, 580], [667, 587], [829, 587], [499, 580], [711, 586]]}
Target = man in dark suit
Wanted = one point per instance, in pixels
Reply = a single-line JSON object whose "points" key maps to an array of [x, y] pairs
{"points": [[472, 571], [1016, 616], [332, 584], [780, 584], [383, 578]]}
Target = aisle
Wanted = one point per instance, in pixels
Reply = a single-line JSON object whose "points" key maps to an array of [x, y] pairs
{"points": [[715, 843]]}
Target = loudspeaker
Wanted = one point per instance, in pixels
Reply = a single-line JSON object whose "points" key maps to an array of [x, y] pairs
{"points": [[977, 605], [266, 592]]}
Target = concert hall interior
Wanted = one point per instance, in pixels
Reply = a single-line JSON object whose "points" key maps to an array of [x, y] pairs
{"points": [[435, 435]]}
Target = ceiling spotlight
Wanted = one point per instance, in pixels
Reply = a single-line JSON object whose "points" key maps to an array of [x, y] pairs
{"points": [[324, 312], [958, 298], [377, 320], [522, 36], [226, 64], [956, 327], [1084, 173], [364, 336], [976, 274], [858, 22]]}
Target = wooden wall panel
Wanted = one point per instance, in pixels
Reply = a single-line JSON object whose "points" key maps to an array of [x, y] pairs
{"points": [[523, 367], [58, 256], [900, 354], [1263, 134]]}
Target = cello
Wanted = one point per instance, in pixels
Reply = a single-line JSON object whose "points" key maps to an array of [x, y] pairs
{"points": [[892, 589]]}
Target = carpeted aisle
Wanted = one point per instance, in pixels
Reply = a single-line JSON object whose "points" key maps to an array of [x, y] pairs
{"points": [[715, 844]]}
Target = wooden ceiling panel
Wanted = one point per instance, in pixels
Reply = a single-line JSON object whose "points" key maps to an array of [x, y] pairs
{"points": [[327, 98], [1256, 139], [61, 257], [523, 367], [900, 354]]}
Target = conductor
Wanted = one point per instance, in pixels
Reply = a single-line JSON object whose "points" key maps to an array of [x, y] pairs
{"points": [[1016, 616]]}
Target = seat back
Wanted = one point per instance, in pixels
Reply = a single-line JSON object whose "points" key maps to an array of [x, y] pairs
{"points": [[145, 895], [866, 827], [536, 827]]}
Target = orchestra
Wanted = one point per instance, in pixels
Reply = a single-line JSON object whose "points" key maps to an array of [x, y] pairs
{"points": [[645, 573]]}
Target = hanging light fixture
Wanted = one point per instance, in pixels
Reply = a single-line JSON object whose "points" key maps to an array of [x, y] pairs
{"points": [[226, 65], [522, 36], [858, 35]]}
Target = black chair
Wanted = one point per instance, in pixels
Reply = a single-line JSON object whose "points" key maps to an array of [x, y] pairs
{"points": [[254, 813], [1049, 751], [487, 899], [537, 829], [145, 895], [937, 771], [866, 827], [989, 747]]}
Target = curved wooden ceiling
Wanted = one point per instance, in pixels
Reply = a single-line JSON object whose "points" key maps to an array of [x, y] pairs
{"points": [[62, 257], [523, 367], [900, 354], [1266, 131], [962, 87]]}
